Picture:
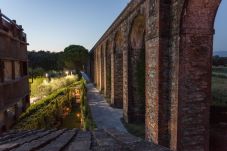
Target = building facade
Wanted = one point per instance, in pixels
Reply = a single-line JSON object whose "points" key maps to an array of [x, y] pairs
{"points": [[14, 84]]}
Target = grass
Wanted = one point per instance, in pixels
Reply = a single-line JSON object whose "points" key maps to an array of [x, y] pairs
{"points": [[135, 129], [219, 86], [222, 70], [219, 91], [34, 85]]}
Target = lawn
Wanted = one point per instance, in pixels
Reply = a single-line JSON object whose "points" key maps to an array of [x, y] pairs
{"points": [[219, 86]]}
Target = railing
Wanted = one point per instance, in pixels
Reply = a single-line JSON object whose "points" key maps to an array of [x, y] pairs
{"points": [[7, 24]]}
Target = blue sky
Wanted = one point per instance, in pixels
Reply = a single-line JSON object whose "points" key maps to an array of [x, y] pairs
{"points": [[54, 24], [220, 37]]}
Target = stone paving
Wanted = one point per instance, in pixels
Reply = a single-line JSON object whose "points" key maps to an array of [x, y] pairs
{"points": [[74, 140], [103, 114]]}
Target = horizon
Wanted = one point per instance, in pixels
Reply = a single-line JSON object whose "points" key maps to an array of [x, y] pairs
{"points": [[54, 28]]}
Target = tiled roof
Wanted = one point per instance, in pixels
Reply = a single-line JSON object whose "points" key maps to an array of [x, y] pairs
{"points": [[74, 140]]}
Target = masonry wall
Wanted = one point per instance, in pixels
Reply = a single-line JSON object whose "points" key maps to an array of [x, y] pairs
{"points": [[14, 86], [178, 38]]}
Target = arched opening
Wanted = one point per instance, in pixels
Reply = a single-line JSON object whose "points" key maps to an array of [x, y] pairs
{"points": [[136, 71], [117, 97], [195, 74], [218, 111]]}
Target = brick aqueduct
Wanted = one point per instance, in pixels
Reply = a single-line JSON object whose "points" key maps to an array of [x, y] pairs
{"points": [[155, 62]]}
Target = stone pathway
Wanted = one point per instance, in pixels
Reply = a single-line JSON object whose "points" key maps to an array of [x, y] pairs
{"points": [[104, 115]]}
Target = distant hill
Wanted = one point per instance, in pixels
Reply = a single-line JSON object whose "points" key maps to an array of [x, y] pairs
{"points": [[220, 53]]}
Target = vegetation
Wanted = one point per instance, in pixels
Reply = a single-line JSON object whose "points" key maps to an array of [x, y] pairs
{"points": [[47, 113], [75, 57], [58, 110], [45, 60], [87, 121], [135, 129], [43, 87], [72, 58], [219, 61], [219, 86]]}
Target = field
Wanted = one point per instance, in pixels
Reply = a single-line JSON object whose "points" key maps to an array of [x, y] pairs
{"points": [[219, 86]]}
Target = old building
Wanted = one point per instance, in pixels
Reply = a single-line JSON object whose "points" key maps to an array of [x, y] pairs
{"points": [[14, 86], [155, 62]]}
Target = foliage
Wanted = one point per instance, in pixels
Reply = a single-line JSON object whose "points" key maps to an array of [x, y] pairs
{"points": [[44, 88], [45, 60], [88, 123], [37, 72], [219, 61], [41, 103], [75, 57], [46, 113], [50, 111]]}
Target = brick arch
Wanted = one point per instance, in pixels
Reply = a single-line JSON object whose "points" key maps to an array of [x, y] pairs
{"points": [[117, 79], [194, 80], [136, 71]]}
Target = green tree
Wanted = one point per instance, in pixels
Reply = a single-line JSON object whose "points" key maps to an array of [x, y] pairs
{"points": [[75, 57]]}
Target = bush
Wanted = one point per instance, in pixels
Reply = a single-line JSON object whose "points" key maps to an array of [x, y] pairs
{"points": [[87, 122]]}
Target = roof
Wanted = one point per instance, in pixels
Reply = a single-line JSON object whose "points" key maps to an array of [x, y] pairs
{"points": [[74, 140]]}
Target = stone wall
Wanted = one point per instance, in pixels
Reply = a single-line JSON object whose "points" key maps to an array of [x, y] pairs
{"points": [[177, 38]]}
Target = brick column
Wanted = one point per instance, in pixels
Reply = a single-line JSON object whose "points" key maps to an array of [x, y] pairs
{"points": [[99, 70], [102, 58], [157, 72], [104, 71]]}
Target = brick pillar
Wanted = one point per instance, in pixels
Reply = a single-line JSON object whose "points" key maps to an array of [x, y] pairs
{"points": [[102, 69], [118, 70], [191, 80], [157, 72], [107, 71], [99, 70], [112, 75], [126, 92]]}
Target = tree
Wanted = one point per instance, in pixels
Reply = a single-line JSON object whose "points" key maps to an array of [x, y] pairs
{"points": [[75, 57]]}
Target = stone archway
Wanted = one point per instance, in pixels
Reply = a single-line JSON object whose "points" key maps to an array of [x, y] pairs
{"points": [[136, 71], [194, 79], [117, 79]]}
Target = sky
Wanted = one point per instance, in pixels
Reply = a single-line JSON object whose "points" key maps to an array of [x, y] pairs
{"points": [[220, 26], [52, 25]]}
